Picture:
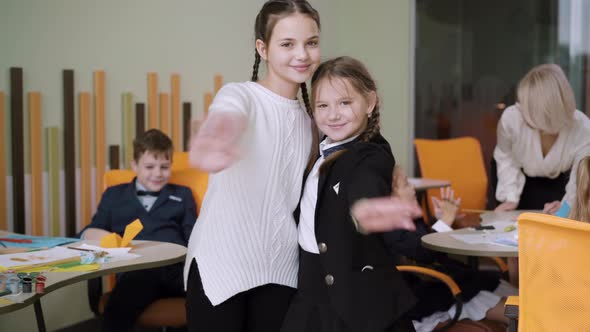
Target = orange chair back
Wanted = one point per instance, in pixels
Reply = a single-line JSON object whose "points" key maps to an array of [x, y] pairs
{"points": [[180, 161], [554, 278], [193, 178], [458, 160]]}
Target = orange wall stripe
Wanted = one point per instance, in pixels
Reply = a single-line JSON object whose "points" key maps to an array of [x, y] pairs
{"points": [[3, 216], [165, 113], [175, 104], [100, 150], [85, 159], [207, 101], [36, 155], [152, 100], [128, 129], [218, 83]]}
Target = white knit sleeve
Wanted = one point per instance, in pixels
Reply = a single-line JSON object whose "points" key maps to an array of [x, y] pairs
{"points": [[510, 177], [232, 97]]}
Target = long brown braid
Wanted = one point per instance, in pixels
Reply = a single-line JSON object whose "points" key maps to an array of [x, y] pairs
{"points": [[357, 75], [256, 65]]}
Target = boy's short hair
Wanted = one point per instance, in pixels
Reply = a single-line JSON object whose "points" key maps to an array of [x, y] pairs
{"points": [[153, 141], [546, 99]]}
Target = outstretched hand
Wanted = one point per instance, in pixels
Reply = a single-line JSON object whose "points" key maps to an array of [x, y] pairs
{"points": [[447, 206], [385, 214], [214, 141], [551, 207]]}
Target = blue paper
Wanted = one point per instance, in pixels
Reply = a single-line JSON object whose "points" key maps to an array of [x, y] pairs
{"points": [[36, 241]]}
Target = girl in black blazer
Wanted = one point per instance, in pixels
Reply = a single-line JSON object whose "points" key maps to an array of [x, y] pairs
{"points": [[347, 280]]}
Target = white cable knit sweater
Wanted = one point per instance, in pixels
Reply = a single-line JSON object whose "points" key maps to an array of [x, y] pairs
{"points": [[245, 235]]}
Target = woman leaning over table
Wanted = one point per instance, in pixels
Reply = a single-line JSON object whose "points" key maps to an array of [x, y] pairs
{"points": [[541, 140]]}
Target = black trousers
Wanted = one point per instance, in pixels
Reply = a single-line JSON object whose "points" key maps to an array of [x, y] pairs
{"points": [[136, 290], [261, 309]]}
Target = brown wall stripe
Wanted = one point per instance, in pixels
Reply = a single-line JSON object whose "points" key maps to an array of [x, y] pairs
{"points": [[139, 119], [152, 100], [3, 214], [207, 101], [18, 167], [165, 113], [114, 154], [36, 151], [100, 145], [186, 123], [85, 150], [69, 152], [175, 104], [218, 83]]}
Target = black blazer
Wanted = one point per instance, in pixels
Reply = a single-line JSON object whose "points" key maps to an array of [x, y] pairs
{"points": [[377, 296], [171, 218]]}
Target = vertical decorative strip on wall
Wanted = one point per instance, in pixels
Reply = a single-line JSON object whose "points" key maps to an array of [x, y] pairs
{"points": [[100, 150], [36, 151], [85, 150], [186, 123], [152, 100], [207, 101], [175, 104], [53, 168], [3, 215], [3, 194], [69, 152], [139, 119], [128, 129], [218, 83], [114, 157], [165, 113], [18, 164]]}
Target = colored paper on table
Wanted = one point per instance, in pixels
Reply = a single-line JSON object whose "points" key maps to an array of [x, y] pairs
{"points": [[131, 232], [113, 240], [37, 241], [27, 260]]}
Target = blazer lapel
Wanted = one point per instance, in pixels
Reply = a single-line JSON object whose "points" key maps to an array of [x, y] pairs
{"points": [[132, 195], [163, 197]]}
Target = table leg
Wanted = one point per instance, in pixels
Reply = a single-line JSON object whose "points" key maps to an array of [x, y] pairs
{"points": [[473, 262], [39, 316]]}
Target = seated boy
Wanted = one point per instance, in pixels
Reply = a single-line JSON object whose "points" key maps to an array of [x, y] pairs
{"points": [[167, 212]]}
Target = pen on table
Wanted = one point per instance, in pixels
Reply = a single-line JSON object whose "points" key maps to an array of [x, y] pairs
{"points": [[81, 249]]}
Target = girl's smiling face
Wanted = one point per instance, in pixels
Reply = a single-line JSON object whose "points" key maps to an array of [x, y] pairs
{"points": [[340, 111]]}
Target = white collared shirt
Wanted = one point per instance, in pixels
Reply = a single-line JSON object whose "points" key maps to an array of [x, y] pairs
{"points": [[147, 201], [307, 239]]}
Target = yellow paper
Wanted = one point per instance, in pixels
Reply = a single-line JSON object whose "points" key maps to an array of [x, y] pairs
{"points": [[131, 232], [4, 301], [112, 240]]}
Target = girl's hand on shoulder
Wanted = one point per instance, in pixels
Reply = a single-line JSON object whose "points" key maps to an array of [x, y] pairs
{"points": [[385, 214], [551, 207], [506, 206], [214, 142]]}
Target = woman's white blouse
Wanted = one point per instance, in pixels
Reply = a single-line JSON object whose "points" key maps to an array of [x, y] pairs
{"points": [[519, 149]]}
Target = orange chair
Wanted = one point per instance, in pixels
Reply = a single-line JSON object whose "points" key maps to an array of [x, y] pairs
{"points": [[458, 160], [180, 161], [167, 312], [553, 275]]}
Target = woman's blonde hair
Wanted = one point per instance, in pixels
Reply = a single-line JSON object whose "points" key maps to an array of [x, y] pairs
{"points": [[546, 99], [581, 209]]}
